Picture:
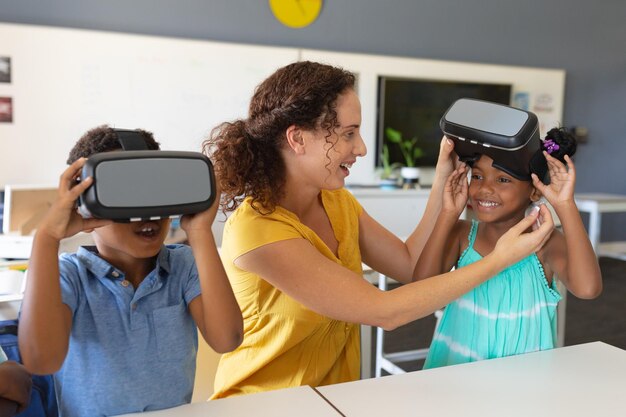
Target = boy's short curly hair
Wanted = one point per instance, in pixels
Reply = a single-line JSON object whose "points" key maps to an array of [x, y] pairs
{"points": [[103, 139]]}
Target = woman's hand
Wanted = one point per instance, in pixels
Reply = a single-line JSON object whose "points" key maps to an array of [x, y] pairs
{"points": [[562, 181], [447, 161], [516, 244], [62, 219]]}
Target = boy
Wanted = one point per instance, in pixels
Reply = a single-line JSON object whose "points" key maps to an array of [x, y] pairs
{"points": [[117, 322]]}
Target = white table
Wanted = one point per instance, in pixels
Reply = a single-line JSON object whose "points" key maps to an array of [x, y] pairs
{"points": [[595, 205], [290, 402], [583, 380]]}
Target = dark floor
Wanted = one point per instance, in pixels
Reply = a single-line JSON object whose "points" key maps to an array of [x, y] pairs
{"points": [[602, 319]]}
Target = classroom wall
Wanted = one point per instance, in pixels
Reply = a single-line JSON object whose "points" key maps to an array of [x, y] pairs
{"points": [[584, 38], [67, 81], [180, 89]]}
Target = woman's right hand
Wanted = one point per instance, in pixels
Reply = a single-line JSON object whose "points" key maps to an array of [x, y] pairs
{"points": [[517, 244], [447, 161], [62, 219]]}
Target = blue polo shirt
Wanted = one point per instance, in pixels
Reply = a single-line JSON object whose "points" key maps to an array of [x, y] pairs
{"points": [[130, 349]]}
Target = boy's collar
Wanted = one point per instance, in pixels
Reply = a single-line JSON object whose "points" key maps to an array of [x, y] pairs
{"points": [[101, 267]]}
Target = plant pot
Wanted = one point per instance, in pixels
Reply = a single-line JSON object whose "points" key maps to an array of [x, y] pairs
{"points": [[388, 183], [410, 173], [410, 176]]}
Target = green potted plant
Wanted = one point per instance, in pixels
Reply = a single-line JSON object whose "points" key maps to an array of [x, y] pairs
{"points": [[388, 171], [411, 153]]}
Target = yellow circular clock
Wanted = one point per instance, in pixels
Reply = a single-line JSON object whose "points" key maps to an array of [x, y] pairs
{"points": [[296, 13]]}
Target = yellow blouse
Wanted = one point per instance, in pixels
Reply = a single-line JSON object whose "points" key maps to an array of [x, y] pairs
{"points": [[286, 344]]}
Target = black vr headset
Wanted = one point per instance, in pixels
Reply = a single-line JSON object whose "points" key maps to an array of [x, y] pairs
{"points": [[137, 184], [507, 135]]}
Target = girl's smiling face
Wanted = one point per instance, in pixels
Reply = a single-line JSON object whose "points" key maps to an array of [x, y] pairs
{"points": [[496, 196]]}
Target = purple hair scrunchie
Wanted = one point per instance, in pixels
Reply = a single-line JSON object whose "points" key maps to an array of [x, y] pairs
{"points": [[550, 146]]}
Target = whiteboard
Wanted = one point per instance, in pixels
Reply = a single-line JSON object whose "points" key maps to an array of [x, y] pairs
{"points": [[66, 81]]}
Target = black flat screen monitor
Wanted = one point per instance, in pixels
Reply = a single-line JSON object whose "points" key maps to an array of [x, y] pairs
{"points": [[415, 106]]}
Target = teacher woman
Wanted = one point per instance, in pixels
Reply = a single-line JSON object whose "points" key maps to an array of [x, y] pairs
{"points": [[294, 245]]}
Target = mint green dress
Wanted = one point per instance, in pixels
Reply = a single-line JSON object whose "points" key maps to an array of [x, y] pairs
{"points": [[513, 312]]}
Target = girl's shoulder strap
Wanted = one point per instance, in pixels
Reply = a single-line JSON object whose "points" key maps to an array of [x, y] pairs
{"points": [[471, 237]]}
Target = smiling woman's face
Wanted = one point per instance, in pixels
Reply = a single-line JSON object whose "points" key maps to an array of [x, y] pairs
{"points": [[329, 158]]}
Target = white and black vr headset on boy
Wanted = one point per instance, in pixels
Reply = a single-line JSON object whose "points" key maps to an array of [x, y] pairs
{"points": [[507, 135], [136, 184]]}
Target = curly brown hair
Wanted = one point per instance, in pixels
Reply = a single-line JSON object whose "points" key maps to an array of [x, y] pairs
{"points": [[103, 139], [246, 153]]}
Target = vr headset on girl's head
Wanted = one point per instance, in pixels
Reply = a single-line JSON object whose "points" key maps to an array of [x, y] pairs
{"points": [[507, 135], [139, 184]]}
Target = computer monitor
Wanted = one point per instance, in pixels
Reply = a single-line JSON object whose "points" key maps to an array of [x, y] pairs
{"points": [[415, 106], [25, 206]]}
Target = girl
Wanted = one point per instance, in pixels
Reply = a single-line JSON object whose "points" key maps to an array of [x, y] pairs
{"points": [[515, 311]]}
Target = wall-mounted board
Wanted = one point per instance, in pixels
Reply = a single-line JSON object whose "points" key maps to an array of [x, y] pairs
{"points": [[65, 81]]}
